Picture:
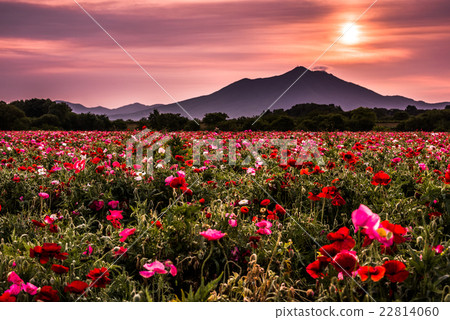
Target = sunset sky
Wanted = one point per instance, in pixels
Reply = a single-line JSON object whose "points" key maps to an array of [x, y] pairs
{"points": [[51, 49]]}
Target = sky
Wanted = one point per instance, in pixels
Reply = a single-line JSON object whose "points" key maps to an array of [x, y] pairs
{"points": [[52, 49]]}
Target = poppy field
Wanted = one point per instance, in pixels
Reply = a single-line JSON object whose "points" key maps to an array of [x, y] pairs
{"points": [[359, 217]]}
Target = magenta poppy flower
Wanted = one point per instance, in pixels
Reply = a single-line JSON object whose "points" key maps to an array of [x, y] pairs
{"points": [[115, 215], [125, 233], [152, 268], [212, 234], [43, 195], [14, 278], [364, 217], [14, 289], [29, 288], [114, 204], [264, 227], [438, 249], [172, 269], [88, 251], [97, 205]]}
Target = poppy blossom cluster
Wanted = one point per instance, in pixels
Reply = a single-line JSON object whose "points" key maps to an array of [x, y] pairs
{"points": [[48, 251], [160, 268]]}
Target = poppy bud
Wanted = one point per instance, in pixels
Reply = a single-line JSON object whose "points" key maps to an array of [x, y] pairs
{"points": [[419, 240], [310, 293], [137, 298]]}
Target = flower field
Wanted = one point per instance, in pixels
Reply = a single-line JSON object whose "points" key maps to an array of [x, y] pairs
{"points": [[360, 217]]}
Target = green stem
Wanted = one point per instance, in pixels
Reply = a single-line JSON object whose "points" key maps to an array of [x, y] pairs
{"points": [[204, 262]]}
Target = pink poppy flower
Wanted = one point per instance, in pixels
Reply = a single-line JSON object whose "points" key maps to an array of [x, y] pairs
{"points": [[212, 234], [14, 278], [43, 195], [79, 166], [232, 223], [438, 249], [113, 204], [172, 269], [29, 288], [88, 251], [49, 220], [168, 180], [115, 215], [125, 233], [364, 217], [14, 289], [120, 251], [97, 205], [264, 227], [152, 268]]}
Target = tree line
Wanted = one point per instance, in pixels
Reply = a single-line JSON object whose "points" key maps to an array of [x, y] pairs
{"points": [[45, 114]]}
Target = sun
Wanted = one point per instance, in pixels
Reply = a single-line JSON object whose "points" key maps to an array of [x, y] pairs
{"points": [[352, 34]]}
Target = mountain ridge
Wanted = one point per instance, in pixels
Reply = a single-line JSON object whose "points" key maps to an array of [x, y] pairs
{"points": [[250, 97]]}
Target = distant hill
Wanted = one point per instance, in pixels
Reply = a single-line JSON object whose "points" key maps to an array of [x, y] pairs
{"points": [[249, 97], [134, 111]]}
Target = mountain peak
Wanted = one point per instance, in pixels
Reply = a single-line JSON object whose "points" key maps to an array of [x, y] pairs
{"points": [[249, 97]]}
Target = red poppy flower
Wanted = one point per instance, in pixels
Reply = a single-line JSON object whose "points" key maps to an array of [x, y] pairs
{"points": [[178, 182], [330, 165], [328, 252], [313, 197], [189, 163], [338, 200], [349, 157], [342, 239], [99, 277], [396, 229], [230, 182], [76, 286], [328, 192], [375, 273], [253, 240], [158, 224], [381, 178], [391, 250], [396, 271], [272, 216], [53, 228], [38, 224], [265, 202], [7, 297], [47, 251], [316, 269], [47, 294], [434, 215], [59, 269], [358, 146], [186, 191], [279, 209], [244, 209], [345, 262]]}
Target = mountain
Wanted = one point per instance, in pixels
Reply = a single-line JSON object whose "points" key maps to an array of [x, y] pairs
{"points": [[250, 97], [125, 112]]}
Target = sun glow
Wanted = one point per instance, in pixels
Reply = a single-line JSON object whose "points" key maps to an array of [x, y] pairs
{"points": [[351, 33]]}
